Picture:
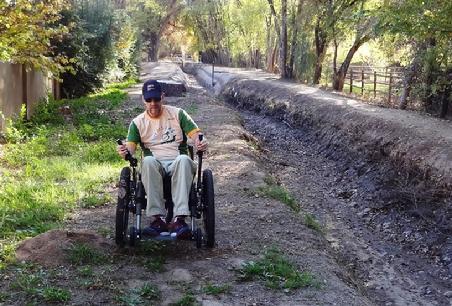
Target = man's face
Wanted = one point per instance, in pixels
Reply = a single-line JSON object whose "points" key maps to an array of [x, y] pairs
{"points": [[153, 107]]}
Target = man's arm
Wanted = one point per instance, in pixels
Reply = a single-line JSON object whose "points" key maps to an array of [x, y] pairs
{"points": [[199, 145], [122, 149], [133, 138], [191, 129]]}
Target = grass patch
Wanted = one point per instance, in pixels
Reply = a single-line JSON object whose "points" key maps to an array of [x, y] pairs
{"points": [[53, 295], [33, 283], [7, 253], [277, 272], [84, 254], [28, 283], [155, 264], [151, 248], [86, 271], [212, 289], [278, 192], [105, 231], [311, 222], [187, 300], [138, 296], [149, 292], [63, 158], [3, 297], [192, 109]]}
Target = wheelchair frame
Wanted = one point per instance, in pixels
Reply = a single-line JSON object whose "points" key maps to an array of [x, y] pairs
{"points": [[132, 200]]}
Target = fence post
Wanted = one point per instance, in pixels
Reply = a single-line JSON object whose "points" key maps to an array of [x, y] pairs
{"points": [[25, 89], [362, 82], [213, 72], [375, 84], [351, 80], [390, 87]]}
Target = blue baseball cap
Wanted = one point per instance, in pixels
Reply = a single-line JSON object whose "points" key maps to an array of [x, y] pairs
{"points": [[152, 90]]}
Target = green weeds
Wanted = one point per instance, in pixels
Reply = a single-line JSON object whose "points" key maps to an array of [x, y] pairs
{"points": [[278, 192], [155, 264], [312, 223], [34, 284], [216, 289], [139, 296], [192, 109], [187, 300], [277, 272], [86, 271], [3, 297], [149, 292], [64, 157], [81, 253], [53, 294]]}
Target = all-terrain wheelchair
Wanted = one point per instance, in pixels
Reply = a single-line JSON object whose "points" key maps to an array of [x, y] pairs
{"points": [[132, 200]]}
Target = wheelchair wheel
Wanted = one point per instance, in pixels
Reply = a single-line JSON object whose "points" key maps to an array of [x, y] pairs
{"points": [[198, 238], [133, 241], [122, 208], [208, 203]]}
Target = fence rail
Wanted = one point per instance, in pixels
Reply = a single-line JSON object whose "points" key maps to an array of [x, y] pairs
{"points": [[382, 81]]}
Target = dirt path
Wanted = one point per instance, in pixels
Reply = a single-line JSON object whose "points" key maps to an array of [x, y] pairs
{"points": [[245, 152], [247, 224]]}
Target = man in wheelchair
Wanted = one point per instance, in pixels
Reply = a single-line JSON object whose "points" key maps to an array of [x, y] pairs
{"points": [[162, 131]]}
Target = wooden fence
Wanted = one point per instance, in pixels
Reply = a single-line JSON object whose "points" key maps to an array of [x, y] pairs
{"points": [[382, 82], [19, 87]]}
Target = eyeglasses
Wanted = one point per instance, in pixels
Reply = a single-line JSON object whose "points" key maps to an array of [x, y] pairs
{"points": [[153, 100]]}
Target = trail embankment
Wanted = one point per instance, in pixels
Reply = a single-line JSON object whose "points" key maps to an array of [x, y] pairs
{"points": [[417, 143]]}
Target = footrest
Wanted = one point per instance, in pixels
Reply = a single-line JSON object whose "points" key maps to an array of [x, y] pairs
{"points": [[164, 236]]}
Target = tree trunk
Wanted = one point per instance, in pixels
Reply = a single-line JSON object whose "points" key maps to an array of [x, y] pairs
{"points": [[407, 83], [410, 74], [445, 101], [295, 22], [339, 76], [431, 74], [320, 44], [154, 44], [269, 43], [278, 33], [154, 37], [283, 40]]}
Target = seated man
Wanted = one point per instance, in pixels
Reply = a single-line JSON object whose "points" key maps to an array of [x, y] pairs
{"points": [[162, 131]]}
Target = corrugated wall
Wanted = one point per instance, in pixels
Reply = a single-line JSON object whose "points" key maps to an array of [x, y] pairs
{"points": [[17, 87]]}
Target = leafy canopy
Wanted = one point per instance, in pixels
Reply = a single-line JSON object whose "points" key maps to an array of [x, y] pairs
{"points": [[26, 30]]}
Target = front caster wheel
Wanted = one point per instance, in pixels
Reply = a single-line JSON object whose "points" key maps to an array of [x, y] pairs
{"points": [[198, 238], [133, 236]]}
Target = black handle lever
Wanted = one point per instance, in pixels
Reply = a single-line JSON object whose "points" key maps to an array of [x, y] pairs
{"points": [[133, 161], [198, 185]]}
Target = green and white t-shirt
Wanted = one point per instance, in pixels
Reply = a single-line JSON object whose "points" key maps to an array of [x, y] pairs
{"points": [[164, 137]]}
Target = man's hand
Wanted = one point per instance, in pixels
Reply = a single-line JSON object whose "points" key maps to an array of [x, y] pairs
{"points": [[122, 150], [201, 146]]}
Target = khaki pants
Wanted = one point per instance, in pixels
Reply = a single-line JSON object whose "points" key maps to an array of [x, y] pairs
{"points": [[182, 171]]}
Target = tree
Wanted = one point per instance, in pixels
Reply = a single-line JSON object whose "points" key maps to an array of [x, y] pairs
{"points": [[331, 11], [365, 21], [281, 32], [154, 17], [103, 43], [26, 31], [426, 27], [296, 23]]}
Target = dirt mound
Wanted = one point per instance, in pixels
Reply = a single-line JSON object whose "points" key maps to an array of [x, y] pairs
{"points": [[51, 248]]}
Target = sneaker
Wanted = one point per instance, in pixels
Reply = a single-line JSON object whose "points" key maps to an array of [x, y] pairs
{"points": [[157, 226], [180, 228]]}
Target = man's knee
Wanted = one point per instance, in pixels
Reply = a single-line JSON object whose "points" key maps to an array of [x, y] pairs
{"points": [[150, 161], [184, 159]]}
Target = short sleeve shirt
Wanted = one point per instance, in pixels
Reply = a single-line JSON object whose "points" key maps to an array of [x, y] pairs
{"points": [[164, 137]]}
